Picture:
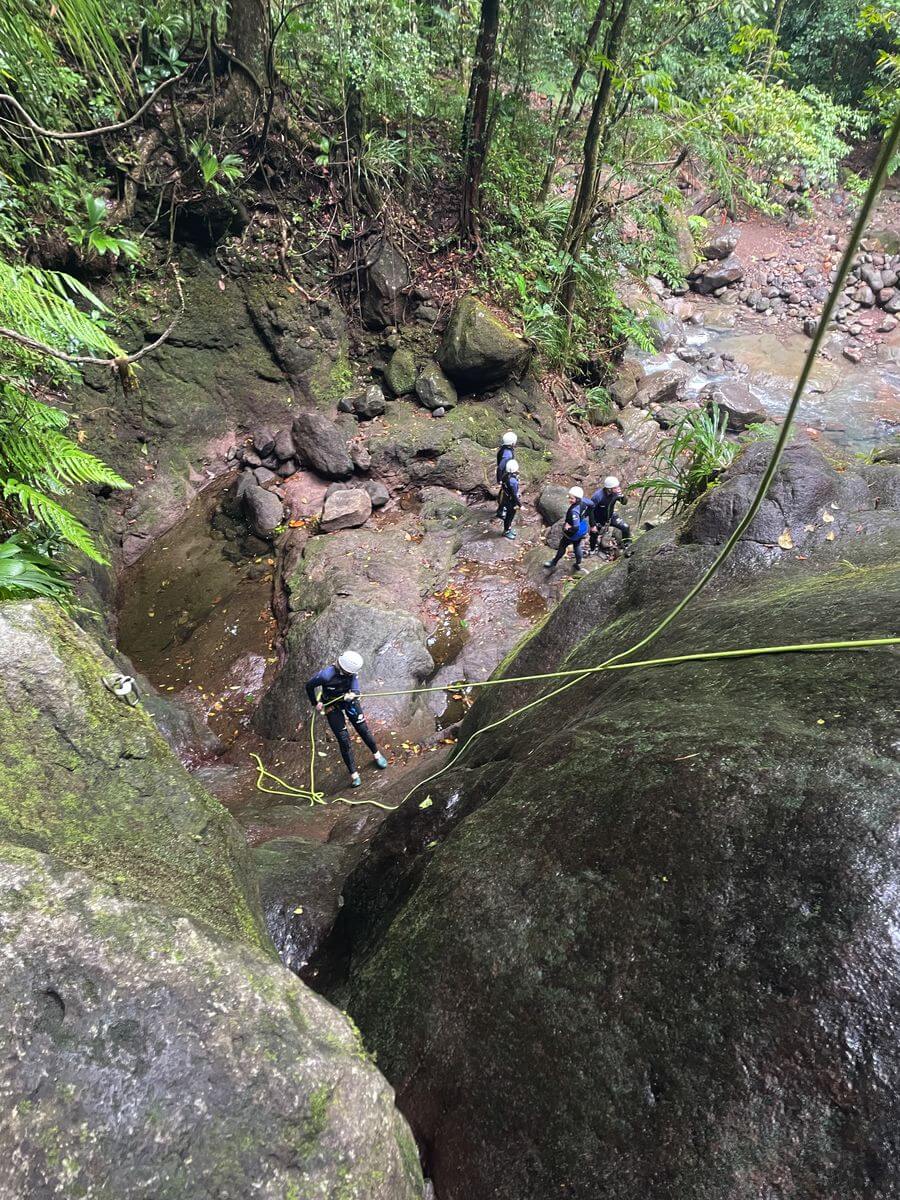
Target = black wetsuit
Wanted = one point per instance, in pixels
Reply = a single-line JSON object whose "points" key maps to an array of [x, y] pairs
{"points": [[334, 684], [603, 512], [576, 526], [509, 500]]}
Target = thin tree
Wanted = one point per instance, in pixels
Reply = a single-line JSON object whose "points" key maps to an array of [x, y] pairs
{"points": [[475, 124], [567, 99], [581, 213]]}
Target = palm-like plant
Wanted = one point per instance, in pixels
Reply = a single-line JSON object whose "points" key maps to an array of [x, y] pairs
{"points": [[689, 461], [25, 572]]}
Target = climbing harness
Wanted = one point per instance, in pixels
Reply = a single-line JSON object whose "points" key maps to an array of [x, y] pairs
{"points": [[614, 663], [123, 687]]}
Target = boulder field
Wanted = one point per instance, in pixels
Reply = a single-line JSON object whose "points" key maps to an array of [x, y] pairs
{"points": [[150, 1043], [642, 942]]}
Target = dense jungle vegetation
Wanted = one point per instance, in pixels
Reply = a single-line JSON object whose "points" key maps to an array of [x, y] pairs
{"points": [[544, 147]]}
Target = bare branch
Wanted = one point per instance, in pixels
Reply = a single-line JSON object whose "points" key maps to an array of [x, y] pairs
{"points": [[59, 136], [90, 360]]}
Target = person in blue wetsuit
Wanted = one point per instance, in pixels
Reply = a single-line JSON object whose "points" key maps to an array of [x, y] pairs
{"points": [[334, 692], [603, 512], [509, 498], [505, 451], [575, 528]]}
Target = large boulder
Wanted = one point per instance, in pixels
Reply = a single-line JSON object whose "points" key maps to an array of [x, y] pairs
{"points": [[733, 398], [130, 1031], [345, 509], [141, 1005], [434, 389], [643, 940], [363, 589], [321, 445], [478, 350], [552, 502], [383, 296], [719, 275], [662, 387]]}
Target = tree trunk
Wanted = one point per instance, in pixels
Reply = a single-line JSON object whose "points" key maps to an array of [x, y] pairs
{"points": [[779, 14], [475, 139], [585, 194], [567, 100], [249, 32]]}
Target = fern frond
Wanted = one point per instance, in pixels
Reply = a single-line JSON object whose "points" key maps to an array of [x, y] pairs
{"points": [[52, 515], [40, 305], [52, 453]]}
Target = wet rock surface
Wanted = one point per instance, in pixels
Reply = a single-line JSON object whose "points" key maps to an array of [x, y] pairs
{"points": [[662, 1002], [130, 1030], [321, 445]]}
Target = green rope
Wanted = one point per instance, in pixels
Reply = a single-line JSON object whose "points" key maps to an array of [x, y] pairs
{"points": [[316, 797]]}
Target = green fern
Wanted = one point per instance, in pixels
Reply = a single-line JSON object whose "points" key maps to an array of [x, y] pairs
{"points": [[39, 463], [25, 572]]}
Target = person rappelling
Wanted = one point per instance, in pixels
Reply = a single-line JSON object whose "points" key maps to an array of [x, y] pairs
{"points": [[505, 451], [603, 512], [334, 692], [575, 527], [509, 498]]}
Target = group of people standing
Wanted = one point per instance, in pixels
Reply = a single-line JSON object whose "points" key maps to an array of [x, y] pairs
{"points": [[584, 518], [334, 692]]}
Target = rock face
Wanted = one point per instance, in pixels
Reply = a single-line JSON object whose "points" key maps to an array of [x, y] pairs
{"points": [[737, 402], [322, 446], [642, 943], [434, 389], [264, 510], [361, 589], [151, 1043], [478, 350], [346, 509], [721, 245]]}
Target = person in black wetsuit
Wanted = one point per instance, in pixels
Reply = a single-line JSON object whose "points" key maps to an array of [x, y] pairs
{"points": [[505, 451], [334, 692], [574, 529], [603, 512], [509, 498]]}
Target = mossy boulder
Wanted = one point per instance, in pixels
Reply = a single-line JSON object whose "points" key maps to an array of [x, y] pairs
{"points": [[478, 350], [400, 373], [90, 781], [144, 1055], [643, 941]]}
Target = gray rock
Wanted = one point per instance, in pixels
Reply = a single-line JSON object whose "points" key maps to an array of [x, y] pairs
{"points": [[383, 299], [300, 885], [287, 468], [264, 510], [284, 447], [661, 387], [438, 412], [263, 441], [156, 1032], [478, 350], [737, 402], [321, 445], [722, 274], [362, 459], [552, 502], [434, 389], [722, 244], [666, 332], [400, 374], [629, 376], [264, 476], [345, 509], [668, 415], [864, 296], [366, 404]]}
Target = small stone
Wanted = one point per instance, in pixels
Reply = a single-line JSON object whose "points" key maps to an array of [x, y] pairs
{"points": [[440, 411], [345, 509], [888, 325], [264, 476], [853, 353], [263, 441], [283, 448]]}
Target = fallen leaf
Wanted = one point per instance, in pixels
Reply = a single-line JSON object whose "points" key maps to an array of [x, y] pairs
{"points": [[786, 542], [809, 528], [829, 536], [827, 518], [298, 911], [426, 803], [820, 721], [221, 285]]}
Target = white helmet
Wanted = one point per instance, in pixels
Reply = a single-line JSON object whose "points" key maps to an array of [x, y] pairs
{"points": [[512, 467], [610, 481], [510, 438], [350, 661], [577, 492]]}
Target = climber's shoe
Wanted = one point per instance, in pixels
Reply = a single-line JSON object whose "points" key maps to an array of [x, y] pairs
{"points": [[380, 761], [355, 780]]}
